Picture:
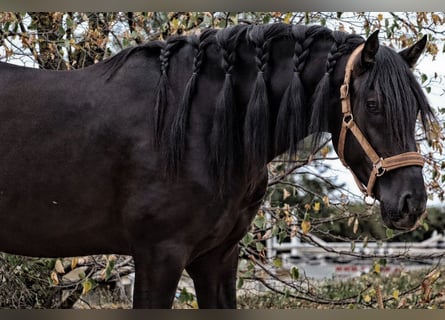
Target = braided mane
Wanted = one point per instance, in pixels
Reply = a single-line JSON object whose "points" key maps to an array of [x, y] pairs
{"points": [[243, 134]]}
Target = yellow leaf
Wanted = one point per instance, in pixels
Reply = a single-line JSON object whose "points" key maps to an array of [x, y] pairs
{"points": [[324, 152], [74, 263], [367, 298], [317, 206], [286, 194], [287, 18], [433, 275], [305, 226], [59, 267], [380, 17], [87, 285], [195, 304], [54, 278], [377, 268], [395, 294]]}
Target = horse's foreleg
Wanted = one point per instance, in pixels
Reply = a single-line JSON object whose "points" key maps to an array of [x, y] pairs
{"points": [[214, 277], [157, 275]]}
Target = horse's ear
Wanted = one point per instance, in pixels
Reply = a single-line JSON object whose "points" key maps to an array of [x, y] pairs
{"points": [[370, 49], [412, 54]]}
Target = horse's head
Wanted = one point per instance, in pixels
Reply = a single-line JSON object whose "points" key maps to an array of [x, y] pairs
{"points": [[376, 139]]}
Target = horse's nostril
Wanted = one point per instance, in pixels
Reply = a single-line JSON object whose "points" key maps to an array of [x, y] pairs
{"points": [[405, 203]]}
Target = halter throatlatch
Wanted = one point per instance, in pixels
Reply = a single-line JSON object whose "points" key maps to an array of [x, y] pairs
{"points": [[379, 165]]}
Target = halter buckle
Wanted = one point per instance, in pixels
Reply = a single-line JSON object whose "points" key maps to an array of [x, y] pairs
{"points": [[344, 91]]}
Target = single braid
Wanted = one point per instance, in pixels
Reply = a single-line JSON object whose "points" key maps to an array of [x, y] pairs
{"points": [[178, 134], [341, 44], [298, 35], [291, 118], [257, 135], [162, 88], [224, 135]]}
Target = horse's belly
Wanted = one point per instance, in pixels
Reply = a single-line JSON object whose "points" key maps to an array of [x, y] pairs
{"points": [[56, 208]]}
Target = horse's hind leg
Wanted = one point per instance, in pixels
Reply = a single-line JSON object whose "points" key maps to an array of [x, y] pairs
{"points": [[157, 275], [214, 277]]}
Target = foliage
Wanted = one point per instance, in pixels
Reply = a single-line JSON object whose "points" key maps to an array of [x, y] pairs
{"points": [[401, 290], [25, 282], [302, 199]]}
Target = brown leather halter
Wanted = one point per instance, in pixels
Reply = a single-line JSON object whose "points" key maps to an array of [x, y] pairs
{"points": [[379, 165]]}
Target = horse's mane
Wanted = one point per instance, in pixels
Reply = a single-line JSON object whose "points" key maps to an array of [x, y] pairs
{"points": [[247, 141], [114, 63]]}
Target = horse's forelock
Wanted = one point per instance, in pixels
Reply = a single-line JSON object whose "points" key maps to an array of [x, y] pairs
{"points": [[401, 93]]}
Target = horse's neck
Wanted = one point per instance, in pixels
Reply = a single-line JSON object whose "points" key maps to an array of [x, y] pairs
{"points": [[282, 69]]}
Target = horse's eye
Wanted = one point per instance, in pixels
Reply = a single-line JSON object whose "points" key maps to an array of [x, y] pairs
{"points": [[372, 106]]}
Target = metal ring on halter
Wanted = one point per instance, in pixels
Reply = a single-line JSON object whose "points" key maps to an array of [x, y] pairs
{"points": [[379, 167], [347, 118]]}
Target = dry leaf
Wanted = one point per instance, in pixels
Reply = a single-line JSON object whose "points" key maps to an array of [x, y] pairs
{"points": [[379, 297], [286, 194], [54, 278], [74, 263], [59, 267], [355, 228], [326, 201], [305, 226]]}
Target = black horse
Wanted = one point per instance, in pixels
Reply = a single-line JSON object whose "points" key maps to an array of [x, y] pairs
{"points": [[160, 152]]}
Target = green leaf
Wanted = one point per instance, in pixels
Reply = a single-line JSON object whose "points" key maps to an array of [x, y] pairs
{"points": [[259, 246], [240, 282], [109, 269], [275, 231], [277, 262], [295, 273], [282, 225], [383, 261], [365, 242], [282, 236], [69, 22], [248, 239], [260, 221], [185, 296], [88, 285], [389, 233]]}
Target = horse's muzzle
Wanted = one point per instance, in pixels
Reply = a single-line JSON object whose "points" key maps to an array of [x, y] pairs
{"points": [[408, 215]]}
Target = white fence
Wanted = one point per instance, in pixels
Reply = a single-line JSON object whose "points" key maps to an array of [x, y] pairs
{"points": [[435, 245]]}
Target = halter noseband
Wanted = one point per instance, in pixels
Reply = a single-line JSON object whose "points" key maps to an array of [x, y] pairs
{"points": [[379, 165]]}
